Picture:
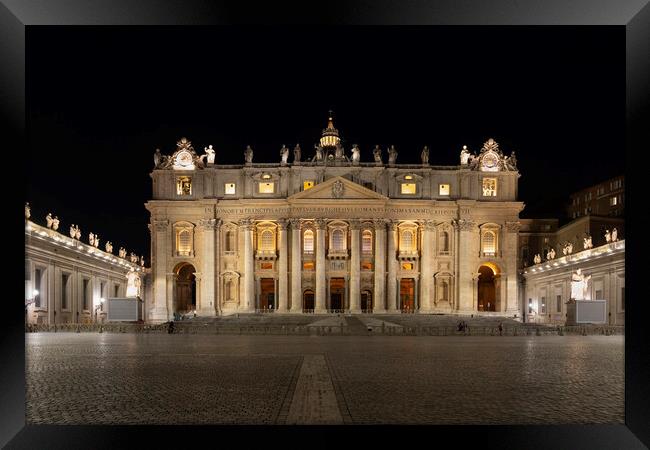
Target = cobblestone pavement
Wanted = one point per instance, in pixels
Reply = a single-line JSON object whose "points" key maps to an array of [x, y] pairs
{"points": [[91, 378]]}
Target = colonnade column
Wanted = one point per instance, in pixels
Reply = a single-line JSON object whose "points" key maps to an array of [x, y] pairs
{"points": [[391, 293], [379, 302], [160, 312], [282, 267], [296, 267], [355, 268], [426, 273], [206, 299], [510, 252], [319, 307], [249, 268]]}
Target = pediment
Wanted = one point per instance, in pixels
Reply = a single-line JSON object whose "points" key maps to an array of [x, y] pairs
{"points": [[338, 188]]}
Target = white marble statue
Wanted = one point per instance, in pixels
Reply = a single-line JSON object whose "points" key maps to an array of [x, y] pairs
{"points": [[73, 231], [377, 154], [133, 283], [339, 153], [55, 223], [96, 244], [296, 154], [28, 211], [392, 155], [591, 245], [157, 158], [122, 252], [284, 155], [142, 261], [134, 258], [356, 154], [464, 156], [579, 285], [49, 220], [77, 233], [614, 235], [425, 155], [319, 153], [210, 152], [570, 248], [248, 154], [109, 247], [585, 243], [608, 237], [91, 239], [551, 254]]}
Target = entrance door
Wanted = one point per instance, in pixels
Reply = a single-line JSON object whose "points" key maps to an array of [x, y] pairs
{"points": [[185, 289], [407, 294], [337, 291], [267, 294], [308, 301], [486, 289], [366, 301]]}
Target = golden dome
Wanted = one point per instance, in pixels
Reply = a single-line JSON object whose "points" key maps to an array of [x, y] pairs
{"points": [[330, 137]]}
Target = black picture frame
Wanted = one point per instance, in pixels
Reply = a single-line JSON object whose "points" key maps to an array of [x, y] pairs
{"points": [[16, 15]]}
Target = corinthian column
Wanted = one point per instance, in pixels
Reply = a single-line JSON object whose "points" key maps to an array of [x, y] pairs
{"points": [[379, 303], [426, 273], [206, 302], [355, 268], [319, 307], [296, 267], [466, 264], [248, 303], [391, 292], [162, 249], [283, 295], [510, 252]]}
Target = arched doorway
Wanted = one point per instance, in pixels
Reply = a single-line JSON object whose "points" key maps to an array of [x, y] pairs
{"points": [[267, 294], [366, 301], [308, 301], [487, 291], [337, 292], [407, 294], [185, 296]]}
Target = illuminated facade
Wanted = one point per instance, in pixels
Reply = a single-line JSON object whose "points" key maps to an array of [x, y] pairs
{"points": [[332, 233]]}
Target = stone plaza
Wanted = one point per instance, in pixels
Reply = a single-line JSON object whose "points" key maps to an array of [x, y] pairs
{"points": [[128, 378]]}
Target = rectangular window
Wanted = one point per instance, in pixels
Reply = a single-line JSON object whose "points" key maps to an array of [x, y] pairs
{"points": [[266, 187], [64, 291], [266, 266], [443, 189], [37, 288], [613, 201], [408, 188], [308, 266], [559, 303], [407, 266], [489, 187], [542, 309], [229, 188], [184, 186], [307, 185], [366, 265], [116, 290], [85, 294]]}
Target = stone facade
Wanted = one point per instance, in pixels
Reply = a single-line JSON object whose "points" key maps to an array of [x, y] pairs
{"points": [[333, 234]]}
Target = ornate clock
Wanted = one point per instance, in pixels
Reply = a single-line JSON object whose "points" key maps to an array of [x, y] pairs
{"points": [[184, 159], [490, 162]]}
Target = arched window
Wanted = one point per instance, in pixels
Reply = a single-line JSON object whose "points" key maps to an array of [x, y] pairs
{"points": [[308, 241], [230, 241], [267, 240], [338, 240], [366, 241], [489, 243], [444, 241], [184, 242], [407, 241]]}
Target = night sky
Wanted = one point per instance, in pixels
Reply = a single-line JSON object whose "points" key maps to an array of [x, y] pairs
{"points": [[101, 100]]}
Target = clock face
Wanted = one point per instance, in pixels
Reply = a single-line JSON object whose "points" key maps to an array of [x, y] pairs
{"points": [[490, 162], [184, 159]]}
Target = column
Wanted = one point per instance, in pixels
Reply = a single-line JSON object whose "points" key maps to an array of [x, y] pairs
{"points": [[296, 267], [391, 293], [379, 303], [355, 268], [466, 264], [426, 274], [161, 310], [509, 250], [206, 301], [319, 306], [217, 271], [248, 303], [283, 294]]}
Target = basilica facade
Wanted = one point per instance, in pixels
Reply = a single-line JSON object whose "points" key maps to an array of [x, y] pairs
{"points": [[331, 233]]}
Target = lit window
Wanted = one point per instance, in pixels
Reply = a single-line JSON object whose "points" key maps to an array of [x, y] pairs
{"points": [[408, 177], [184, 186], [308, 241], [406, 243], [407, 266], [266, 188], [338, 240], [267, 240], [408, 188], [366, 241], [184, 242], [613, 201], [444, 241], [308, 265], [229, 188], [489, 187], [307, 185], [266, 176], [489, 243], [443, 189]]}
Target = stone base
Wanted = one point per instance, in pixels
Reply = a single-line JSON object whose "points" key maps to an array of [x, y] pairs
{"points": [[206, 312]]}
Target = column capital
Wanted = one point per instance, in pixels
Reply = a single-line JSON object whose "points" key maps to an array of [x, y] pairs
{"points": [[513, 227], [464, 224], [246, 224], [320, 223], [380, 224], [294, 223], [355, 224], [428, 224], [392, 224], [282, 224], [161, 225], [208, 224]]}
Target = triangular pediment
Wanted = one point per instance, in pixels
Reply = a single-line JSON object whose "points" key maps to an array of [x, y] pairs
{"points": [[338, 188]]}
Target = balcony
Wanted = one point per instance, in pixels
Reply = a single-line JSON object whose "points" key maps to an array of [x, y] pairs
{"points": [[337, 254], [266, 255], [408, 255]]}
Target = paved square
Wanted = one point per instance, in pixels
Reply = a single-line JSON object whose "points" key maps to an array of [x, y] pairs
{"points": [[92, 378]]}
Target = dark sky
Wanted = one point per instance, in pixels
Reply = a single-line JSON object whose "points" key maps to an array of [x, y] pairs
{"points": [[101, 100]]}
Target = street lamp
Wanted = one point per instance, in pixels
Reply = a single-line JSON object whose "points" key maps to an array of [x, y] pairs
{"points": [[100, 306]]}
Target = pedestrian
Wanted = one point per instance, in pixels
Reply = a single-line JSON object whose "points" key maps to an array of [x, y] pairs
{"points": [[500, 329], [170, 327]]}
